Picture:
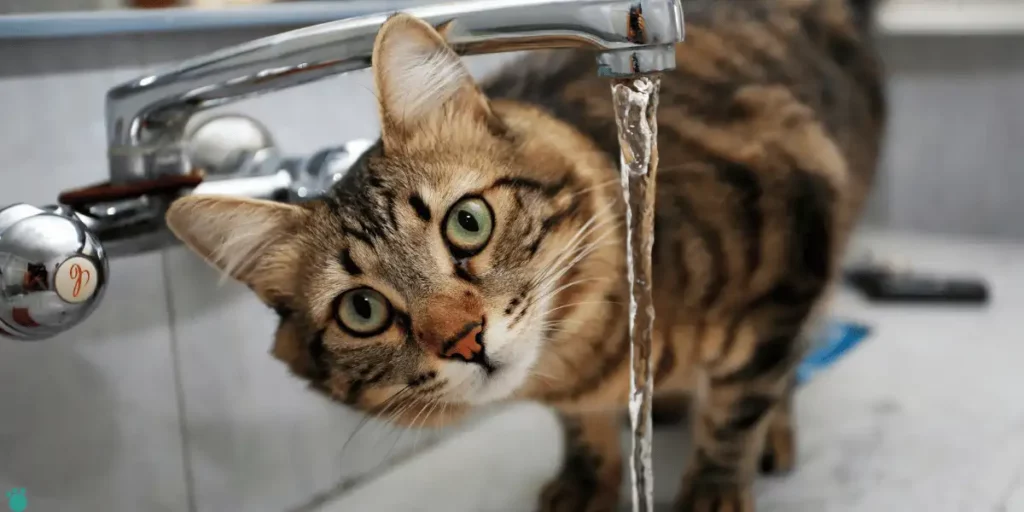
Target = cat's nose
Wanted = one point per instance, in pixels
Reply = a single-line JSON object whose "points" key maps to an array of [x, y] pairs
{"points": [[452, 335], [453, 328], [467, 343]]}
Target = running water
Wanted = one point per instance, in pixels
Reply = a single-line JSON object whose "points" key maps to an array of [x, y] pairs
{"points": [[636, 101]]}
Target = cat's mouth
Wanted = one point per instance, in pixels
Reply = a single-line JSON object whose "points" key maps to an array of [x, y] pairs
{"points": [[485, 361], [505, 372], [490, 364]]}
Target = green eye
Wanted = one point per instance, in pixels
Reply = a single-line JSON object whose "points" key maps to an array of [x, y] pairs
{"points": [[468, 226], [363, 312]]}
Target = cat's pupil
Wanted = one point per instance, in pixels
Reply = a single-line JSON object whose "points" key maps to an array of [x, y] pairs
{"points": [[362, 306], [468, 222]]}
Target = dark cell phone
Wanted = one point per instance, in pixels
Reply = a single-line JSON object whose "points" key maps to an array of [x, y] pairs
{"points": [[883, 285]]}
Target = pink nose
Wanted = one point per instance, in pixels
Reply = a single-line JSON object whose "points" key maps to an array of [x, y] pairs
{"points": [[465, 344], [451, 327]]}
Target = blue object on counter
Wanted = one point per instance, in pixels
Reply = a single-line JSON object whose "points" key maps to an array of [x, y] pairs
{"points": [[832, 344]]}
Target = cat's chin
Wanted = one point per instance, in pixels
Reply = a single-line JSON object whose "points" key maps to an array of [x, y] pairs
{"points": [[500, 385], [508, 376]]}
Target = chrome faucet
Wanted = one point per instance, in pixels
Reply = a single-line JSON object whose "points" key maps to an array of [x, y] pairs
{"points": [[53, 260]]}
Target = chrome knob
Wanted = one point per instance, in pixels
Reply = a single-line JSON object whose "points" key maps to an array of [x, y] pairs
{"points": [[53, 271], [228, 145]]}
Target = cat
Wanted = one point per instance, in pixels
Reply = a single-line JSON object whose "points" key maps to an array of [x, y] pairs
{"points": [[475, 253]]}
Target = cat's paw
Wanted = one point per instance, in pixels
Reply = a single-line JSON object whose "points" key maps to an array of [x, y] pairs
{"points": [[592, 469], [569, 496], [581, 488], [697, 497], [779, 454]]}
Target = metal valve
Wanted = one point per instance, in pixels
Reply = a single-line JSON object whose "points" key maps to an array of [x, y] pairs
{"points": [[53, 260], [53, 271]]}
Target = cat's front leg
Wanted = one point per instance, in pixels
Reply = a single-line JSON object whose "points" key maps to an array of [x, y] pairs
{"points": [[712, 486], [778, 456], [748, 387], [591, 467]]}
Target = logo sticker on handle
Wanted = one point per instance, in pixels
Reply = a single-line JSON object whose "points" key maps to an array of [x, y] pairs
{"points": [[76, 279]]}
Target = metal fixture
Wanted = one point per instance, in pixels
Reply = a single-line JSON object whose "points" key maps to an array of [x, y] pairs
{"points": [[158, 151], [146, 117], [52, 271]]}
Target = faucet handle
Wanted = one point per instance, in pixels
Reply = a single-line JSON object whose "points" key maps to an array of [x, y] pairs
{"points": [[53, 271]]}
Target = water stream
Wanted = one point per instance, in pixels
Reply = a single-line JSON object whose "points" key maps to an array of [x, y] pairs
{"points": [[636, 101]]}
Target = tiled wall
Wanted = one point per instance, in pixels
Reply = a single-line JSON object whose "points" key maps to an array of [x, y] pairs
{"points": [[166, 398], [955, 161]]}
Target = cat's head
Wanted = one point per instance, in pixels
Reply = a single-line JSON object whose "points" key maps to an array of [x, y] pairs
{"points": [[443, 265]]}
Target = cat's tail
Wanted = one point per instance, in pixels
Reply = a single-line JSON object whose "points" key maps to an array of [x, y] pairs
{"points": [[863, 11], [865, 6], [860, 13]]}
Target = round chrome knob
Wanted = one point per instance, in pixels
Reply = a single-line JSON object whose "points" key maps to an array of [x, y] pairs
{"points": [[228, 144], [53, 271]]}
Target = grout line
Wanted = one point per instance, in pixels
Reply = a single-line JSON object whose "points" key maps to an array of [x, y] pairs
{"points": [[179, 389]]}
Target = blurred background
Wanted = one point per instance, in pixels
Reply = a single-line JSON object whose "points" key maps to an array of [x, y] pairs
{"points": [[166, 398]]}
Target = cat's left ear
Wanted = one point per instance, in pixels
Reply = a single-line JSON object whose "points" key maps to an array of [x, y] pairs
{"points": [[247, 239], [421, 80]]}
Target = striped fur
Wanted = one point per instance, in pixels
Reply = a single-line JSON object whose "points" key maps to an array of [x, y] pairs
{"points": [[769, 133]]}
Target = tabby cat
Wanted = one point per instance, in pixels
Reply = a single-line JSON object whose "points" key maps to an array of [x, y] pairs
{"points": [[476, 253]]}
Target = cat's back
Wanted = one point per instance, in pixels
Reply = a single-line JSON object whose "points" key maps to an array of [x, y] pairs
{"points": [[769, 134], [736, 55]]}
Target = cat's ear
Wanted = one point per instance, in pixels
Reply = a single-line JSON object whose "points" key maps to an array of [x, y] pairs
{"points": [[420, 79], [246, 239]]}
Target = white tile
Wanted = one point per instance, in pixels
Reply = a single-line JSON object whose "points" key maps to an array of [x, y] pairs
{"points": [[91, 417]]}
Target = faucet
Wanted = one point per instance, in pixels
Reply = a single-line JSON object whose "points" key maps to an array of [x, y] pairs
{"points": [[54, 259]]}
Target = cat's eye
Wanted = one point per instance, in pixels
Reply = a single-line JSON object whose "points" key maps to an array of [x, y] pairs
{"points": [[363, 312], [468, 226]]}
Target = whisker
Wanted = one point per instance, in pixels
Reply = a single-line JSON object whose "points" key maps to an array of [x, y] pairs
{"points": [[390, 401], [390, 428], [387, 456], [572, 255], [544, 376], [595, 186], [569, 285], [577, 256], [580, 235], [584, 303], [423, 426], [573, 326], [396, 414], [391, 421], [444, 410]]}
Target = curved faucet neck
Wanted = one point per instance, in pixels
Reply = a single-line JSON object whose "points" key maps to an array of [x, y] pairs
{"points": [[146, 117]]}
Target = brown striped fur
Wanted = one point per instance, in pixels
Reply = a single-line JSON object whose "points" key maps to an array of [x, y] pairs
{"points": [[769, 133]]}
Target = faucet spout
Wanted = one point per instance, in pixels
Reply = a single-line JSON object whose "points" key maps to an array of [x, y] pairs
{"points": [[146, 117]]}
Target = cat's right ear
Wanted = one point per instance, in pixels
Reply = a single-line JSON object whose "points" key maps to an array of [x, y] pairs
{"points": [[246, 239], [421, 82]]}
